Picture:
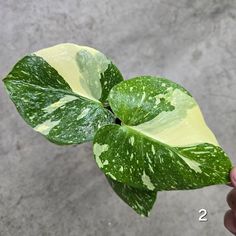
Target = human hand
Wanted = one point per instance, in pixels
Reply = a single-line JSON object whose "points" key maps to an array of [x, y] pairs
{"points": [[230, 215]]}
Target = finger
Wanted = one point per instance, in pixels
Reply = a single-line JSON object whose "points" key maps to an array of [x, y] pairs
{"points": [[230, 221], [231, 199], [233, 176]]}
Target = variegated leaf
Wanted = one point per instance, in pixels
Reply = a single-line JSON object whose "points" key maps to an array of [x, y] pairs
{"points": [[163, 142], [61, 91]]}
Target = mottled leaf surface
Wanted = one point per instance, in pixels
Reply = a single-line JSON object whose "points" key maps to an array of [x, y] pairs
{"points": [[165, 147], [141, 200], [136, 101], [139, 161], [59, 91]]}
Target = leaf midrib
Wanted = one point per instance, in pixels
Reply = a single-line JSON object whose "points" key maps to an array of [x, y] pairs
{"points": [[67, 92]]}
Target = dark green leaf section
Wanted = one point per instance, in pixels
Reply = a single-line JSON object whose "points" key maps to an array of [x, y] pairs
{"points": [[134, 159], [47, 103], [140, 99], [36, 71], [109, 78], [140, 200]]}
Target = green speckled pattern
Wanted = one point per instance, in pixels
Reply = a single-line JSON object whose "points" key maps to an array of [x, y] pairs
{"points": [[47, 103], [140, 99], [141, 161], [141, 200]]}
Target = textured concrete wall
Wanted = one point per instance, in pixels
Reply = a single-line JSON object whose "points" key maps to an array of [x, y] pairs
{"points": [[46, 190]]}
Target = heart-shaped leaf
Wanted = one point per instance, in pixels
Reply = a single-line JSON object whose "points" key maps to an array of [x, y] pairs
{"points": [[163, 142], [60, 91]]}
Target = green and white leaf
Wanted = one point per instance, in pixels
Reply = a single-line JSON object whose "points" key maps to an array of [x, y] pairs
{"points": [[141, 200], [60, 91], [163, 142]]}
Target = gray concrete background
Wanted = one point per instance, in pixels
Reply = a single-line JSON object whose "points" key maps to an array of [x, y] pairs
{"points": [[47, 190]]}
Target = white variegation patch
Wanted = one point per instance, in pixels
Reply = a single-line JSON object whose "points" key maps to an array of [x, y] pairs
{"points": [[111, 175], [98, 150], [194, 165], [54, 106], [131, 140], [183, 126], [80, 66], [83, 113], [131, 156], [46, 126], [147, 182], [153, 150]]}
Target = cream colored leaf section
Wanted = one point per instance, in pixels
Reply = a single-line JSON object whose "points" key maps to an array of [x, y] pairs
{"points": [[63, 101], [80, 66], [46, 126], [98, 150], [146, 181], [183, 126], [192, 164]]}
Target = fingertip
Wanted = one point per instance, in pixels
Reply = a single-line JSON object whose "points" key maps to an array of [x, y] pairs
{"points": [[230, 221], [233, 176], [231, 199]]}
